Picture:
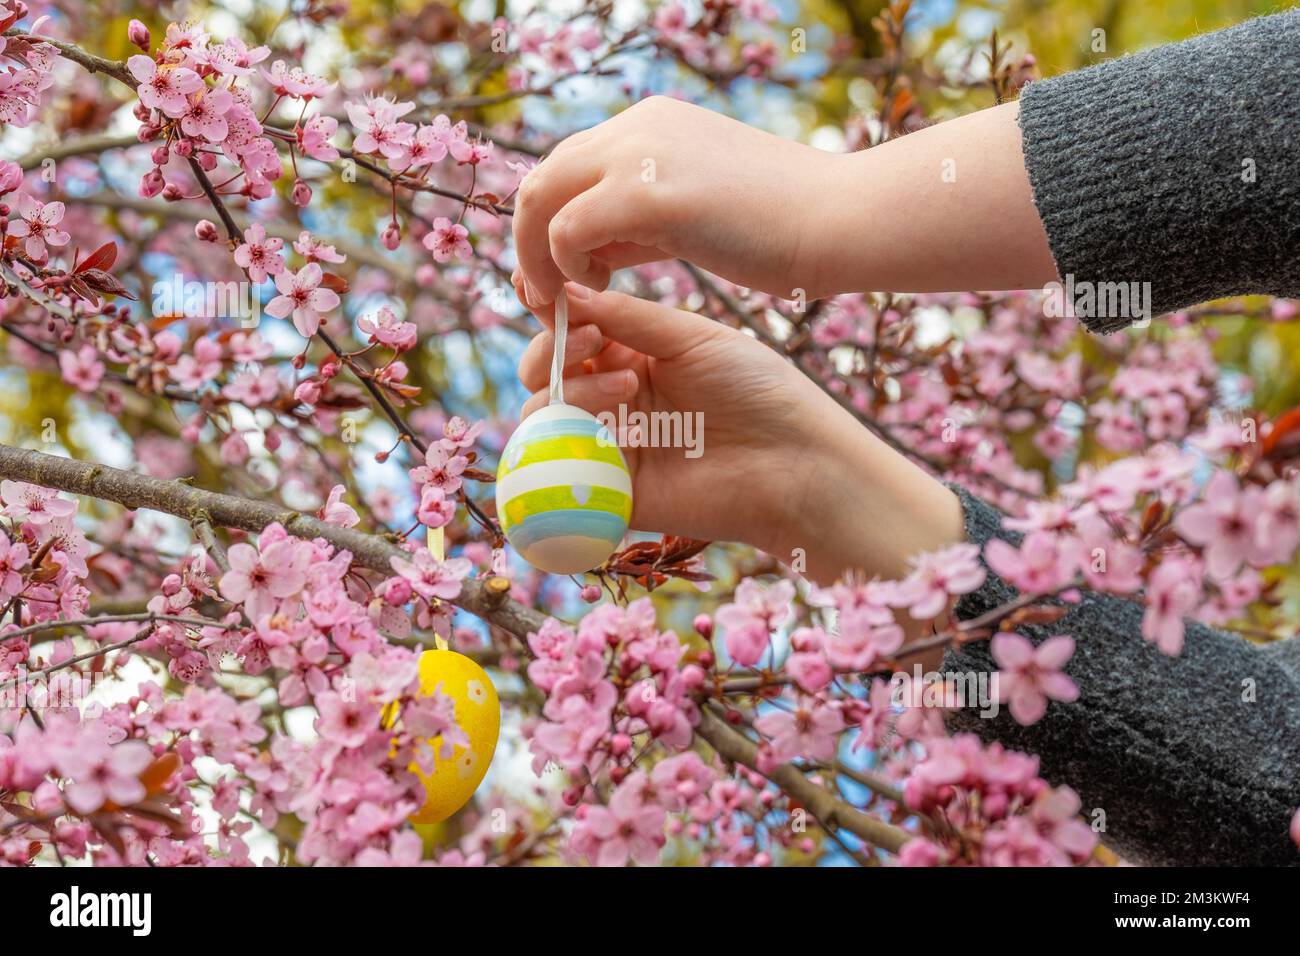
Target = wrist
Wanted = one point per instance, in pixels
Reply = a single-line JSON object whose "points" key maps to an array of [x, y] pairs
{"points": [[863, 507]]}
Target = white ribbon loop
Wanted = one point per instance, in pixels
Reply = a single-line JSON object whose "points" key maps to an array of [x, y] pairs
{"points": [[557, 359]]}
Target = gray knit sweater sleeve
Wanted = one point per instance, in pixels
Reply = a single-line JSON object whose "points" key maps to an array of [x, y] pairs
{"points": [[1178, 166], [1194, 759]]}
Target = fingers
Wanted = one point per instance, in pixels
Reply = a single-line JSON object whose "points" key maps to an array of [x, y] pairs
{"points": [[543, 193], [646, 327], [584, 342], [587, 222], [596, 393]]}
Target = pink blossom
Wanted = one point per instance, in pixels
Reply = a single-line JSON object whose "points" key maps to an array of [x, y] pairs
{"points": [[1030, 675], [295, 82], [299, 294], [626, 829], [937, 577], [260, 255], [448, 240], [1043, 564], [33, 504], [13, 558], [38, 223], [313, 250], [260, 580], [378, 127], [749, 621], [254, 388], [337, 511], [163, 87], [1223, 523], [435, 509], [314, 138], [387, 329], [82, 368], [206, 115], [431, 578], [1173, 594], [810, 731], [441, 469], [103, 772], [346, 723]]}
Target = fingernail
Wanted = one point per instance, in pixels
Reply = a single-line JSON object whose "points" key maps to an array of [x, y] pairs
{"points": [[615, 383], [576, 291]]}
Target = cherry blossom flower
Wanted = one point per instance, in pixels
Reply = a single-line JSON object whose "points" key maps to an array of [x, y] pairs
{"points": [[206, 115], [13, 558], [300, 295], [1223, 523], [33, 504], [748, 622], [1173, 594], [259, 254], [164, 87], [82, 369], [937, 578], [337, 511], [387, 329], [626, 829], [448, 240], [431, 578], [810, 731], [313, 250], [1030, 675], [100, 773], [39, 224], [314, 138], [261, 577]]}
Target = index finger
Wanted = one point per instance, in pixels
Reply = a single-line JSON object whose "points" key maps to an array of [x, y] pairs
{"points": [[544, 192]]}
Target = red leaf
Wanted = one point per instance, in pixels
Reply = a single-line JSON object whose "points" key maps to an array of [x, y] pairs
{"points": [[335, 283], [1285, 424], [102, 258]]}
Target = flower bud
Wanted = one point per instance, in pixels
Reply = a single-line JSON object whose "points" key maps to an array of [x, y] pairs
{"points": [[184, 148], [152, 183], [160, 155], [591, 593], [205, 230], [392, 237], [138, 34], [301, 193], [704, 626], [308, 392], [172, 193]]}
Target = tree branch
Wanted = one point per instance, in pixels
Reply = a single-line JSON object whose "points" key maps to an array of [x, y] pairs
{"points": [[486, 598], [821, 803]]}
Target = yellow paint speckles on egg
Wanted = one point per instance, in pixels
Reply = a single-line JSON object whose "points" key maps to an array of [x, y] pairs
{"points": [[478, 713]]}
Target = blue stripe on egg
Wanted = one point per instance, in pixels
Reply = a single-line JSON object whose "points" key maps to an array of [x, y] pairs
{"points": [[554, 524]]}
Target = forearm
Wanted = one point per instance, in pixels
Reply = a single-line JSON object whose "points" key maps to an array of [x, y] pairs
{"points": [[1188, 767], [1172, 173], [946, 208]]}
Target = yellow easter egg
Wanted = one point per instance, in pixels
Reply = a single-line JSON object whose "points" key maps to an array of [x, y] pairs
{"points": [[478, 713]]}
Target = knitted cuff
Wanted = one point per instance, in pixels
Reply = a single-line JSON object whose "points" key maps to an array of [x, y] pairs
{"points": [[1171, 177]]}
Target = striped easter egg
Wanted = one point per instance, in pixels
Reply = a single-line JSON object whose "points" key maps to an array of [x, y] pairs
{"points": [[564, 494]]}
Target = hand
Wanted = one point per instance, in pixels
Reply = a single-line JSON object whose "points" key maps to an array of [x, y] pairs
{"points": [[783, 466], [946, 208], [666, 179]]}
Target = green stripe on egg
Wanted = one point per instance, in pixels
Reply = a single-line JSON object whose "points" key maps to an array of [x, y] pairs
{"points": [[564, 492]]}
